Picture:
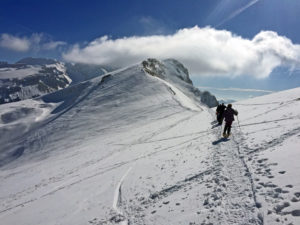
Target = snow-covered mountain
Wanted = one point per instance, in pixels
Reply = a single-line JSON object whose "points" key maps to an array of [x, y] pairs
{"points": [[33, 77], [137, 146], [173, 71], [79, 72], [22, 81]]}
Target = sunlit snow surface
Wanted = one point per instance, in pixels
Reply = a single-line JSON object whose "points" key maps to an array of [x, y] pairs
{"points": [[270, 128], [129, 148]]}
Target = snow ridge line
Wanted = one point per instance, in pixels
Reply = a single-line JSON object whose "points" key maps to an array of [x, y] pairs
{"points": [[117, 202]]}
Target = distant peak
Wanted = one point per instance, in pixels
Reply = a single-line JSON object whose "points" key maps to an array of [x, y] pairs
{"points": [[154, 67], [37, 61], [166, 68]]}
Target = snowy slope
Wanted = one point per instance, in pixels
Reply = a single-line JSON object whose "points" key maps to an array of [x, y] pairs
{"points": [[79, 72], [131, 148], [174, 72], [33, 77], [270, 140]]}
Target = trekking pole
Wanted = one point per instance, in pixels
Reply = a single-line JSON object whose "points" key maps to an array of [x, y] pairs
{"points": [[238, 122]]}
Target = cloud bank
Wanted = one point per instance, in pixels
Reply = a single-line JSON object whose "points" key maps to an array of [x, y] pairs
{"points": [[237, 89], [35, 42], [53, 45], [204, 51], [14, 43]]}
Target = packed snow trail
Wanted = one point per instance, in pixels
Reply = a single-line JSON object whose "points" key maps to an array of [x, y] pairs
{"points": [[216, 193], [234, 192]]}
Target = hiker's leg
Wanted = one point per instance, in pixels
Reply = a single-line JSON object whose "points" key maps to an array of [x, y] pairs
{"points": [[222, 118], [228, 127], [219, 117], [228, 130], [225, 128]]}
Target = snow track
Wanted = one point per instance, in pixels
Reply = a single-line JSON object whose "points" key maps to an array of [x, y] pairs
{"points": [[117, 203], [232, 199], [269, 142]]}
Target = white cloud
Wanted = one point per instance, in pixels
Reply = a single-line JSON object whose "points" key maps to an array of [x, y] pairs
{"points": [[205, 51], [14, 43], [238, 11], [35, 42], [53, 45], [236, 89], [152, 26]]}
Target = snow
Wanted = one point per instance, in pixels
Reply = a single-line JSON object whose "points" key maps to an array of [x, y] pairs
{"points": [[20, 81], [118, 197], [270, 125], [174, 72], [7, 73], [181, 97], [130, 148], [62, 68]]}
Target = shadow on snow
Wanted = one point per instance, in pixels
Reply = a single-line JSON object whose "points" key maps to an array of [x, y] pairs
{"points": [[220, 140]]}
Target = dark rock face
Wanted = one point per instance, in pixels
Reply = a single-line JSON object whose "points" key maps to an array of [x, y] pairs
{"points": [[154, 68], [158, 69], [209, 99], [16, 65]]}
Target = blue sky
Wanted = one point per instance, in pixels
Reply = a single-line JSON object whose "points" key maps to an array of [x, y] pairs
{"points": [[75, 31]]}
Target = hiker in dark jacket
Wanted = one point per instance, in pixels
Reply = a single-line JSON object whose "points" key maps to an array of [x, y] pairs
{"points": [[220, 113], [229, 118]]}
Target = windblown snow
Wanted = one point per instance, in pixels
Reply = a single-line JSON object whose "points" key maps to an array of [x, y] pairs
{"points": [[132, 148]]}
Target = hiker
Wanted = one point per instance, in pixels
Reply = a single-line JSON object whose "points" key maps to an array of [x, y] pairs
{"points": [[229, 118], [220, 113]]}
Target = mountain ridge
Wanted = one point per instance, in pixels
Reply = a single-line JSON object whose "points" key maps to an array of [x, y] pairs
{"points": [[39, 76]]}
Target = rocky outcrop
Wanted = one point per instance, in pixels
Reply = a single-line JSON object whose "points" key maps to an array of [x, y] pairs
{"points": [[175, 72]]}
